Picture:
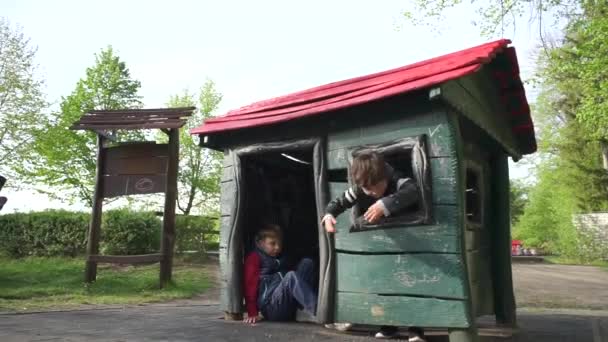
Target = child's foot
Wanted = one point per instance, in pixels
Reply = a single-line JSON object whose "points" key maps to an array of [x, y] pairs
{"points": [[305, 316], [339, 326], [387, 332], [416, 335]]}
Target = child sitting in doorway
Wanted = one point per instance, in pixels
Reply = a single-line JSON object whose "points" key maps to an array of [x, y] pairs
{"points": [[268, 285], [381, 192]]}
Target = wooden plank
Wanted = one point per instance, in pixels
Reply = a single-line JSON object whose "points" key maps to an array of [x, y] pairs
{"points": [[500, 261], [464, 335], [440, 137], [126, 259], [459, 97], [228, 197], [338, 159], [136, 150], [136, 166], [151, 125], [472, 259], [444, 184], [228, 161], [142, 111], [361, 308], [90, 273], [225, 230], [114, 186], [100, 120], [419, 274], [227, 174], [168, 233], [442, 236], [486, 291]]}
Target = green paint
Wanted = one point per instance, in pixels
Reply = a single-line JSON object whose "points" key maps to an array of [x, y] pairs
{"points": [[431, 124], [444, 180], [459, 96], [439, 237], [363, 308], [433, 275]]}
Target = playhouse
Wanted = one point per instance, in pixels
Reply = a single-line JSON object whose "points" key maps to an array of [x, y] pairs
{"points": [[450, 123]]}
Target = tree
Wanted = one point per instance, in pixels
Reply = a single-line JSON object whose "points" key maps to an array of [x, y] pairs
{"points": [[21, 97], [496, 15], [66, 159], [200, 169], [519, 198], [583, 55]]}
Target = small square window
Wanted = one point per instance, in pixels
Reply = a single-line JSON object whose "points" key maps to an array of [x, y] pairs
{"points": [[409, 159]]}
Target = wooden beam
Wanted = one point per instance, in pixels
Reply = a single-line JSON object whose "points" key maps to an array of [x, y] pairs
{"points": [[106, 135], [126, 259], [151, 125], [111, 116], [502, 276], [95, 225], [143, 111], [168, 234], [119, 121]]}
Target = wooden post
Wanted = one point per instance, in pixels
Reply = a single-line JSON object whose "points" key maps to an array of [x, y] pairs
{"points": [[168, 234], [504, 299], [90, 273]]}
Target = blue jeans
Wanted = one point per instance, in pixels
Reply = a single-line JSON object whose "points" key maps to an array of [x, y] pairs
{"points": [[295, 290]]}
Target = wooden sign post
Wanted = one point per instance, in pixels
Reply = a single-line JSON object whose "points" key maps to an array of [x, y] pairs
{"points": [[135, 168]]}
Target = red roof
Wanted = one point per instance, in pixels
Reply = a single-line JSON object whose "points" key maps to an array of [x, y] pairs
{"points": [[359, 90]]}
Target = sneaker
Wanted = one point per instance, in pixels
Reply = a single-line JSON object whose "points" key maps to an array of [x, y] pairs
{"points": [[416, 334], [305, 316], [339, 326], [387, 332], [383, 335]]}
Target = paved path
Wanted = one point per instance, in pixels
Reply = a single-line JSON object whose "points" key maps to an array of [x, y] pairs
{"points": [[560, 286], [204, 323], [199, 319]]}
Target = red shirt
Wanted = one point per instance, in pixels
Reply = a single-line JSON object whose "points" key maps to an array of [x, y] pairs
{"points": [[251, 279]]}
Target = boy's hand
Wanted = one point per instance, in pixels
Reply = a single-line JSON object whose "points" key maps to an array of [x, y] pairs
{"points": [[374, 213], [329, 222], [252, 320]]}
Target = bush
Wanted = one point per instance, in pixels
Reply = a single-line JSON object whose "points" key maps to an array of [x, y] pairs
{"points": [[46, 233], [126, 232], [123, 232], [196, 233]]}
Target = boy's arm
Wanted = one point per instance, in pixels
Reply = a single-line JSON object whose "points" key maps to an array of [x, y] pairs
{"points": [[251, 280], [406, 195], [345, 201]]}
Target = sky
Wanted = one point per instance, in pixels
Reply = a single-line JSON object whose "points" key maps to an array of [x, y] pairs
{"points": [[253, 50]]}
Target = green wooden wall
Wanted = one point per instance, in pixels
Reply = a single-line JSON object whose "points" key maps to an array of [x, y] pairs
{"points": [[410, 275]]}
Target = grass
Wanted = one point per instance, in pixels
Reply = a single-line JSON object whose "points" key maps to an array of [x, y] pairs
{"points": [[57, 283], [570, 261]]}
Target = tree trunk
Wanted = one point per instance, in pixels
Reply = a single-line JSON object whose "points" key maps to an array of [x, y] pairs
{"points": [[604, 145], [190, 200]]}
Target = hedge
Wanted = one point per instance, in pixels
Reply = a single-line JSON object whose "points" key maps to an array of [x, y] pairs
{"points": [[124, 232]]}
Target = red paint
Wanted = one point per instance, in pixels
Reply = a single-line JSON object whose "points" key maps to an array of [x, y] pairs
{"points": [[359, 90]]}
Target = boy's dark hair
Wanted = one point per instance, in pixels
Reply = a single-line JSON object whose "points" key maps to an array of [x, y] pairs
{"points": [[269, 230], [368, 169]]}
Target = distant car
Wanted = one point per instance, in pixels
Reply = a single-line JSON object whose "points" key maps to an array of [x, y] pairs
{"points": [[516, 247]]}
